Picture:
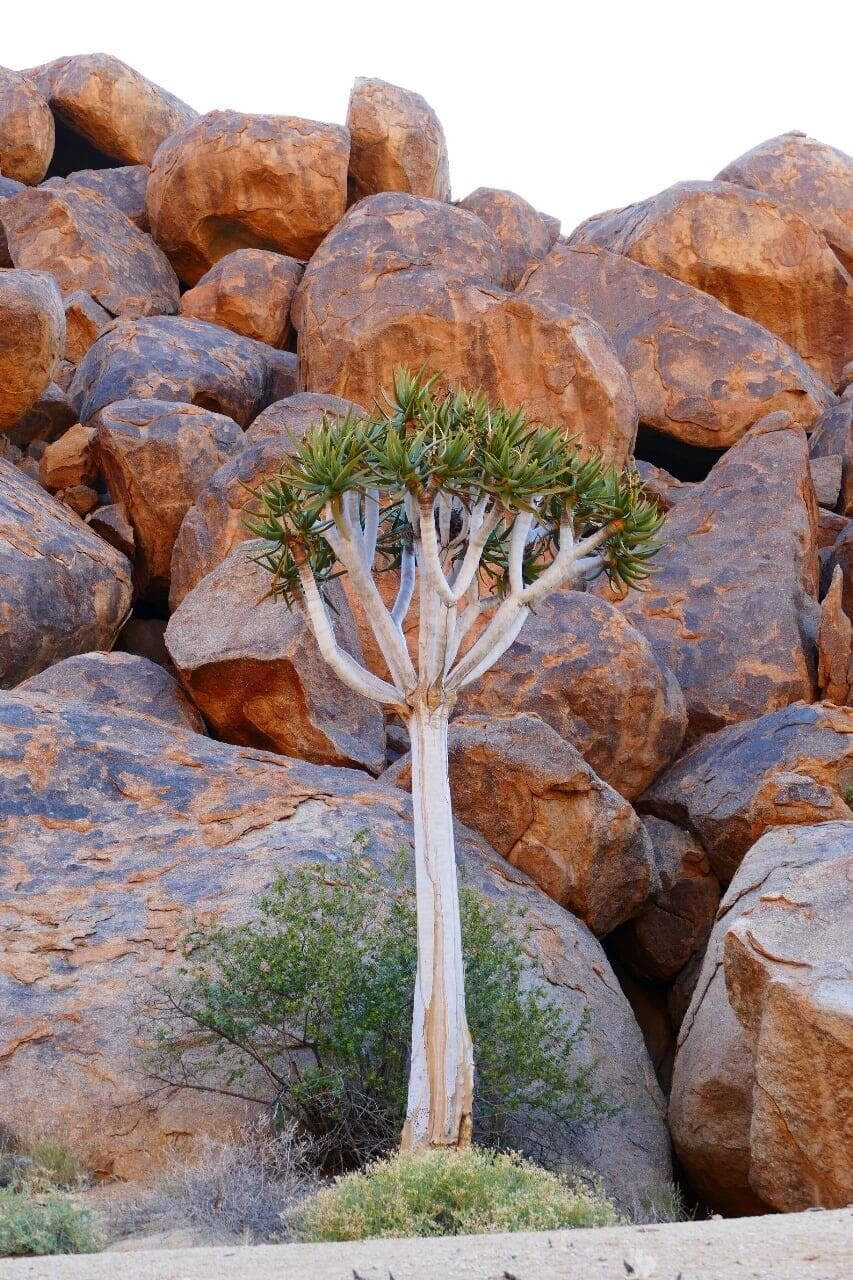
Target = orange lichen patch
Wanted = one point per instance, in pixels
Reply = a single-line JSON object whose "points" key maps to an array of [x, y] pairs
{"points": [[40, 1031]]}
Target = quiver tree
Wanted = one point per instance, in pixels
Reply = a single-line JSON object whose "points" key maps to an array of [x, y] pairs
{"points": [[484, 514]]}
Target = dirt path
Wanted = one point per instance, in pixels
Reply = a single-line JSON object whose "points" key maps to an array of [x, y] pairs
{"points": [[799, 1246]]}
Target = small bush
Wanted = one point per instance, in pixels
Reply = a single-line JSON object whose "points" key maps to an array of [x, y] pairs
{"points": [[308, 1010], [54, 1224], [445, 1193], [242, 1187]]}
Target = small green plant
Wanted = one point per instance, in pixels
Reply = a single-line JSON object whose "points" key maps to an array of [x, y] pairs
{"points": [[31, 1226], [308, 1010], [445, 1193]]}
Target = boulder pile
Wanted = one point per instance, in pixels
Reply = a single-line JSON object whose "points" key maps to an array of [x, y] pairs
{"points": [[662, 783]]}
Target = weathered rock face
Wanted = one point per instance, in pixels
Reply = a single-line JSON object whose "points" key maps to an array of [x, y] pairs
{"points": [[111, 105], [69, 460], [117, 682], [700, 372], [156, 456], [581, 667], [85, 321], [555, 362], [216, 522], [32, 336], [835, 645], [124, 187], [731, 606], [8, 187], [62, 590], [789, 979], [85, 242], [523, 234], [112, 524], [173, 358], [198, 828], [808, 176], [381, 235], [833, 435], [674, 927], [793, 766], [248, 291], [758, 1110], [46, 420], [660, 487], [397, 143], [572, 833], [235, 181], [757, 256], [288, 419], [26, 129], [254, 670]]}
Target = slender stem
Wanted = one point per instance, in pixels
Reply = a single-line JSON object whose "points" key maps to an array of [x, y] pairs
{"points": [[345, 667], [503, 621], [388, 636], [517, 543], [469, 618], [406, 588], [430, 552], [480, 532], [371, 526], [499, 646], [563, 565]]}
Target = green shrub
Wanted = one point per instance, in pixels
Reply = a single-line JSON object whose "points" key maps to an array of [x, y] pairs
{"points": [[308, 1010], [445, 1193], [53, 1224]]}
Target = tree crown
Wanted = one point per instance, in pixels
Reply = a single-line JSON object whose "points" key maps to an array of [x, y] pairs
{"points": [[454, 454]]}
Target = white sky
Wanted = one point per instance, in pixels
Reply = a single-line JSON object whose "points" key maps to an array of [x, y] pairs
{"points": [[579, 107]]}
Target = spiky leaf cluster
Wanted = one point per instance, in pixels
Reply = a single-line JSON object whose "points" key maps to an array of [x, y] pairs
{"points": [[424, 442]]}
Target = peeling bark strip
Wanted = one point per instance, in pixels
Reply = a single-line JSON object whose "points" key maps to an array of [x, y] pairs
{"points": [[444, 486]]}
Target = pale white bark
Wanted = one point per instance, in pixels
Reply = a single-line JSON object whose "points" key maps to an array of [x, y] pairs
{"points": [[440, 1103], [563, 566], [430, 556], [406, 589], [345, 667], [340, 537], [483, 526]]}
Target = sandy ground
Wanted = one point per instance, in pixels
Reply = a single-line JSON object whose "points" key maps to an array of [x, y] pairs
{"points": [[798, 1246]]}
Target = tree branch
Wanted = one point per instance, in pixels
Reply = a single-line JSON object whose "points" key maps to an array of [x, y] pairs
{"points": [[340, 538], [501, 642], [371, 526], [407, 587], [563, 564], [500, 626], [481, 529], [345, 667], [430, 555], [517, 543]]}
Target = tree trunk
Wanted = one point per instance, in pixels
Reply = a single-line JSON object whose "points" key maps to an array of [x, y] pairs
{"points": [[441, 1084]]}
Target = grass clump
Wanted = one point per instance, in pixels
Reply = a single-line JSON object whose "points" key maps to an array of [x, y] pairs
{"points": [[33, 1225], [445, 1193], [308, 1010]]}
